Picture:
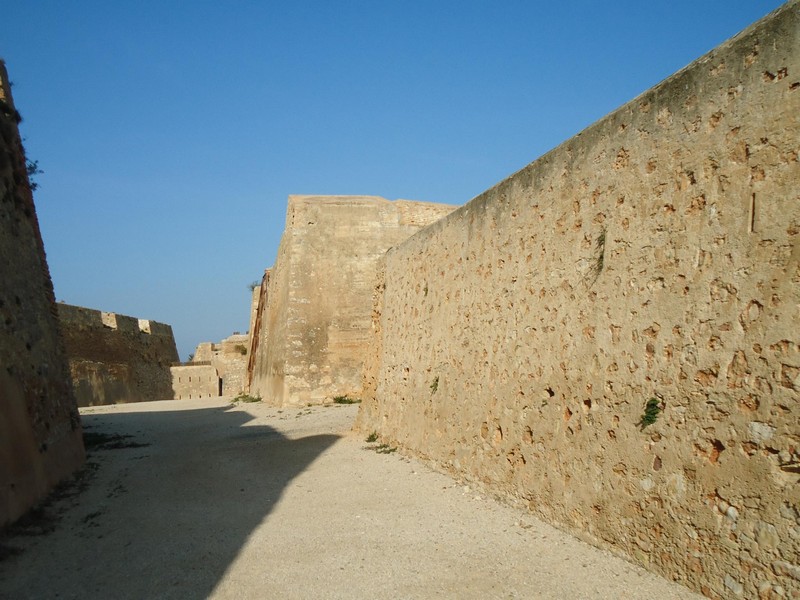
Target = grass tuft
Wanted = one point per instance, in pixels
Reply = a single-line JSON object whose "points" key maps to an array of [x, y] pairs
{"points": [[345, 400], [247, 398]]}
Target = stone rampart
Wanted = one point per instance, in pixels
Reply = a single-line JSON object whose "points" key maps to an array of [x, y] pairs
{"points": [[314, 328], [40, 432], [611, 335], [114, 358], [258, 302]]}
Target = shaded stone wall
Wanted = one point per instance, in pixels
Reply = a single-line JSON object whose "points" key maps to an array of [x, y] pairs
{"points": [[40, 432], [256, 333], [653, 256], [116, 359], [315, 326]]}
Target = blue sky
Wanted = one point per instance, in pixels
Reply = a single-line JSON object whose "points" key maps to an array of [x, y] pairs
{"points": [[171, 133]]}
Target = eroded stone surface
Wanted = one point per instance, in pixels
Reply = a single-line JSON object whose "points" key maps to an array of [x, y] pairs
{"points": [[652, 257], [314, 329], [114, 358], [40, 432]]}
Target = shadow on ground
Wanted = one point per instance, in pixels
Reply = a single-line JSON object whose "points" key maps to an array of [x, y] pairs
{"points": [[168, 508]]}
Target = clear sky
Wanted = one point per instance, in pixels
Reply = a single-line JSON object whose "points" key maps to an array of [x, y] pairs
{"points": [[171, 133]]}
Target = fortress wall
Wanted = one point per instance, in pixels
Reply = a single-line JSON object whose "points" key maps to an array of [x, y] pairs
{"points": [[40, 432], [194, 381], [654, 255], [114, 358], [231, 362], [158, 329], [203, 352], [256, 332], [267, 375], [315, 326], [230, 358]]}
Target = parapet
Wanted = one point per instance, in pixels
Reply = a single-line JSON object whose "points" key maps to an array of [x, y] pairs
{"points": [[89, 318], [304, 210], [115, 358]]}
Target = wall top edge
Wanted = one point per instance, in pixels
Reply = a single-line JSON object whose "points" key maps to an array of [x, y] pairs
{"points": [[354, 199], [750, 31], [66, 311]]}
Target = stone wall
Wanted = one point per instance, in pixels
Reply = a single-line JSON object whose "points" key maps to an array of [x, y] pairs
{"points": [[195, 380], [229, 357], [114, 358], [653, 257], [231, 362], [255, 299], [315, 326], [40, 432], [203, 352], [256, 333]]}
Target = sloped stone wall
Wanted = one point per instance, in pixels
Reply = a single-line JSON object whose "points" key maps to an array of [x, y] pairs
{"points": [[314, 329], [257, 332], [40, 432], [114, 358], [652, 258]]}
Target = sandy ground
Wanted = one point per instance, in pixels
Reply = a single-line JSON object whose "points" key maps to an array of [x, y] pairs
{"points": [[210, 500]]}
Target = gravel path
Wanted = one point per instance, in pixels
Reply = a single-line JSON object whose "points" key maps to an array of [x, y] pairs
{"points": [[209, 500]]}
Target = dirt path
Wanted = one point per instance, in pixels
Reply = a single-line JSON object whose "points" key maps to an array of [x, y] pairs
{"points": [[208, 500]]}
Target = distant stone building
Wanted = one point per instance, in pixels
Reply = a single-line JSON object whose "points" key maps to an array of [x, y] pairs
{"points": [[116, 359], [316, 304], [195, 380], [40, 430], [216, 369], [230, 358]]}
